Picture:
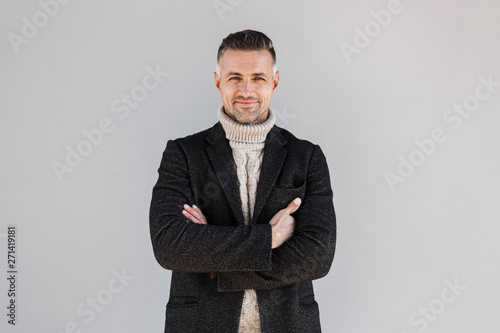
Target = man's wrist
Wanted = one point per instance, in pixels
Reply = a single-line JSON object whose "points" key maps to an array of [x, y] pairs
{"points": [[275, 242]]}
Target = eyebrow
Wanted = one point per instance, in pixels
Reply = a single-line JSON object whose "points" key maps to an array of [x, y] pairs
{"points": [[239, 74]]}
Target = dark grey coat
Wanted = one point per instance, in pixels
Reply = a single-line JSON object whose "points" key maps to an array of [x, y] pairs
{"points": [[199, 169]]}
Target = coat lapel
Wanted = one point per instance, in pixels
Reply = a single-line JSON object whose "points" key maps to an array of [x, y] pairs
{"points": [[272, 163], [221, 157]]}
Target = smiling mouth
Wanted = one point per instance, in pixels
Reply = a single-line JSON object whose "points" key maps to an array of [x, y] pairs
{"points": [[246, 103]]}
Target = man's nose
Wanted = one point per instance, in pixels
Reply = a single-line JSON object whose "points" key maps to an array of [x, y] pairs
{"points": [[246, 88]]}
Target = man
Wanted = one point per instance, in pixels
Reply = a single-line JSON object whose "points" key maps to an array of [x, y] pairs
{"points": [[242, 212]]}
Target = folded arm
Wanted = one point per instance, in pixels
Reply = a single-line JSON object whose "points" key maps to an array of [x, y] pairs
{"points": [[308, 254], [282, 224], [194, 247]]}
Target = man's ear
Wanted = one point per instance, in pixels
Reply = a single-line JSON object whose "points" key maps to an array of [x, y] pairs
{"points": [[276, 80], [217, 82]]}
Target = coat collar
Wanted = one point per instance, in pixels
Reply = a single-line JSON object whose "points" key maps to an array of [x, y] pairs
{"points": [[221, 156]]}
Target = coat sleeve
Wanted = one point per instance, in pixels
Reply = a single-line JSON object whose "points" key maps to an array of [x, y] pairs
{"points": [[181, 245], [306, 256]]}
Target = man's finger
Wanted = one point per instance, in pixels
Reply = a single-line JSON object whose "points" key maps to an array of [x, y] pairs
{"points": [[294, 205], [190, 216], [192, 211], [194, 214]]}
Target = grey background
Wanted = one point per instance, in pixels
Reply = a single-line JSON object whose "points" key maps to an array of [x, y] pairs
{"points": [[396, 247]]}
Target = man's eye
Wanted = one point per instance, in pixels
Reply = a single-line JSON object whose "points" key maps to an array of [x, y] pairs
{"points": [[234, 78], [259, 78]]}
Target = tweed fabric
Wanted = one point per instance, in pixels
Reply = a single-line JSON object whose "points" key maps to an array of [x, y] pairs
{"points": [[247, 143], [198, 169]]}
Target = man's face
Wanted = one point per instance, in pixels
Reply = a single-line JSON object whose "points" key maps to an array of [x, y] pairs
{"points": [[246, 84]]}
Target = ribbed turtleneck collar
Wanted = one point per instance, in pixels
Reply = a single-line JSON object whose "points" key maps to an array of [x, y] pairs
{"points": [[246, 136]]}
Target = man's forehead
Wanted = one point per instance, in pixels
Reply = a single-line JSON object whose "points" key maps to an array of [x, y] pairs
{"points": [[247, 61]]}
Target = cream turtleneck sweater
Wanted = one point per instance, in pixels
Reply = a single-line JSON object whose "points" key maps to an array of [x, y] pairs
{"points": [[247, 143]]}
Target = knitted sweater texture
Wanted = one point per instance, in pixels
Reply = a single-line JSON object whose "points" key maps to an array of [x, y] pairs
{"points": [[247, 144]]}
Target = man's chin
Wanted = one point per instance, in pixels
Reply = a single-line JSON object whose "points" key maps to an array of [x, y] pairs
{"points": [[246, 115], [245, 120]]}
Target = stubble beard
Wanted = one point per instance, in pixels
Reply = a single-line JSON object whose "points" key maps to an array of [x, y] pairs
{"points": [[247, 116]]}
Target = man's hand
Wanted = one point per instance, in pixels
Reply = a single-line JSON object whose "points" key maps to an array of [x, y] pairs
{"points": [[194, 214], [283, 225]]}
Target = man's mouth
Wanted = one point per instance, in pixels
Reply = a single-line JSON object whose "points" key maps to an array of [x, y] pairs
{"points": [[246, 102]]}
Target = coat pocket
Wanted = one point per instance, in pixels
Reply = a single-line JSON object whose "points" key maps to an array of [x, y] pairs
{"points": [[182, 302], [182, 315], [308, 301], [308, 313], [283, 196]]}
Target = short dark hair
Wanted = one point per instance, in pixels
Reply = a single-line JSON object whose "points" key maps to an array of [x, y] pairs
{"points": [[246, 40]]}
